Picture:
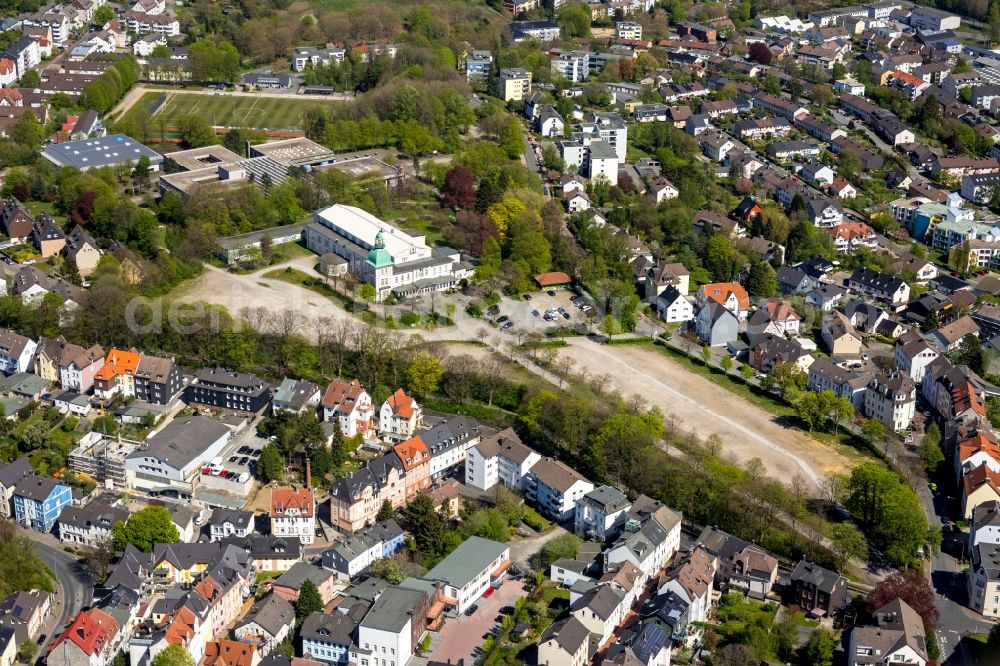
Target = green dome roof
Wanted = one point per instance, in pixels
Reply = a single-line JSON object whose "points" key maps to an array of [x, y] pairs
{"points": [[379, 257]]}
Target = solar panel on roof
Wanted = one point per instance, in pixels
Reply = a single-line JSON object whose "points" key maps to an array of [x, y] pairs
{"points": [[651, 639]]}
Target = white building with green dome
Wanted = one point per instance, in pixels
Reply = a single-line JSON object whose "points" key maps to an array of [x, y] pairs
{"points": [[392, 260]]}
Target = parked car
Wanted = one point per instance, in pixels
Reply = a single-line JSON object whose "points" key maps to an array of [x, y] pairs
{"points": [[471, 610], [551, 292]]}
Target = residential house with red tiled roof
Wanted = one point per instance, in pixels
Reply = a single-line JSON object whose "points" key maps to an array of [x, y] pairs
{"points": [[350, 405], [416, 460], [117, 375], [849, 236], [977, 448], [399, 417], [230, 653], [979, 485], [293, 513], [730, 295], [91, 639]]}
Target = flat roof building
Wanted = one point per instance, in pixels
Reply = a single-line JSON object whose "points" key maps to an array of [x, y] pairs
{"points": [[101, 151]]}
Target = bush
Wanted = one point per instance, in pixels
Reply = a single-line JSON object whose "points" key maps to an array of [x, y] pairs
{"points": [[369, 317], [535, 521], [26, 411], [474, 309], [409, 319]]}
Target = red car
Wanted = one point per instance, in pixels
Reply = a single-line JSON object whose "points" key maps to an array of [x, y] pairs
{"points": [[488, 592]]}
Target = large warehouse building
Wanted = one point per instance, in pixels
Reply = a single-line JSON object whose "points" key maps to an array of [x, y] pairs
{"points": [[390, 259]]}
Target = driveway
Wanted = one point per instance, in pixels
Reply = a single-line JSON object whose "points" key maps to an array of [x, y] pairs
{"points": [[460, 636], [522, 550]]}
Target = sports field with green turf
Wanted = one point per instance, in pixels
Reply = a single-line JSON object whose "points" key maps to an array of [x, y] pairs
{"points": [[260, 112]]}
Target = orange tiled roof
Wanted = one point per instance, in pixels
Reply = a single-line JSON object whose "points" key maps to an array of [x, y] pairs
{"points": [[401, 404], [719, 292], [851, 230], [980, 476], [119, 362], [976, 443], [229, 653], [283, 499], [343, 395], [412, 453]]}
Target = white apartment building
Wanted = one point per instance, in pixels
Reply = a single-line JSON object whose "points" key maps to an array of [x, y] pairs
{"points": [[892, 400]]}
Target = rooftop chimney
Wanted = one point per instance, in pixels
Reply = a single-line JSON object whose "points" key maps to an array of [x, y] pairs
{"points": [[308, 474]]}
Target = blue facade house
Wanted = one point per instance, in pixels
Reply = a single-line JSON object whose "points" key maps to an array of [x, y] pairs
{"points": [[391, 535], [38, 501]]}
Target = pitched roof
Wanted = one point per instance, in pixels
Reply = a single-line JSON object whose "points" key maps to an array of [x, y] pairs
{"points": [[401, 404], [412, 453], [301, 500], [556, 474], [119, 362], [342, 396], [720, 292]]}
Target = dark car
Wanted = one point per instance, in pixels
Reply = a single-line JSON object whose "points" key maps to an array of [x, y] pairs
{"points": [[527, 297], [551, 292], [565, 315], [598, 338], [508, 610], [244, 460], [233, 458], [471, 610], [507, 325], [502, 318]]}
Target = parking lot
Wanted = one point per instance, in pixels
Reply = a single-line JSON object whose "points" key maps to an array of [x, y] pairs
{"points": [[460, 636], [539, 311]]}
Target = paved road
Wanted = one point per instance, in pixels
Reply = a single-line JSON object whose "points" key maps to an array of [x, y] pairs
{"points": [[74, 584]]}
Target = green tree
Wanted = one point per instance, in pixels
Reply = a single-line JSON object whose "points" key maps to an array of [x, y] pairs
{"points": [[388, 570], [145, 528], [31, 79], [385, 512], [70, 271], [726, 364], [818, 650], [888, 510], [564, 546], [993, 642], [142, 168], [747, 372], [425, 525], [309, 600], [848, 543], [195, 131], [930, 448], [28, 650], [270, 466], [104, 15], [424, 374], [873, 430], [762, 280], [173, 655]]}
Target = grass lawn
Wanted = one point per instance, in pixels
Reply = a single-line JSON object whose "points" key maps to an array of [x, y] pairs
{"points": [[550, 594], [264, 113], [148, 102]]}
